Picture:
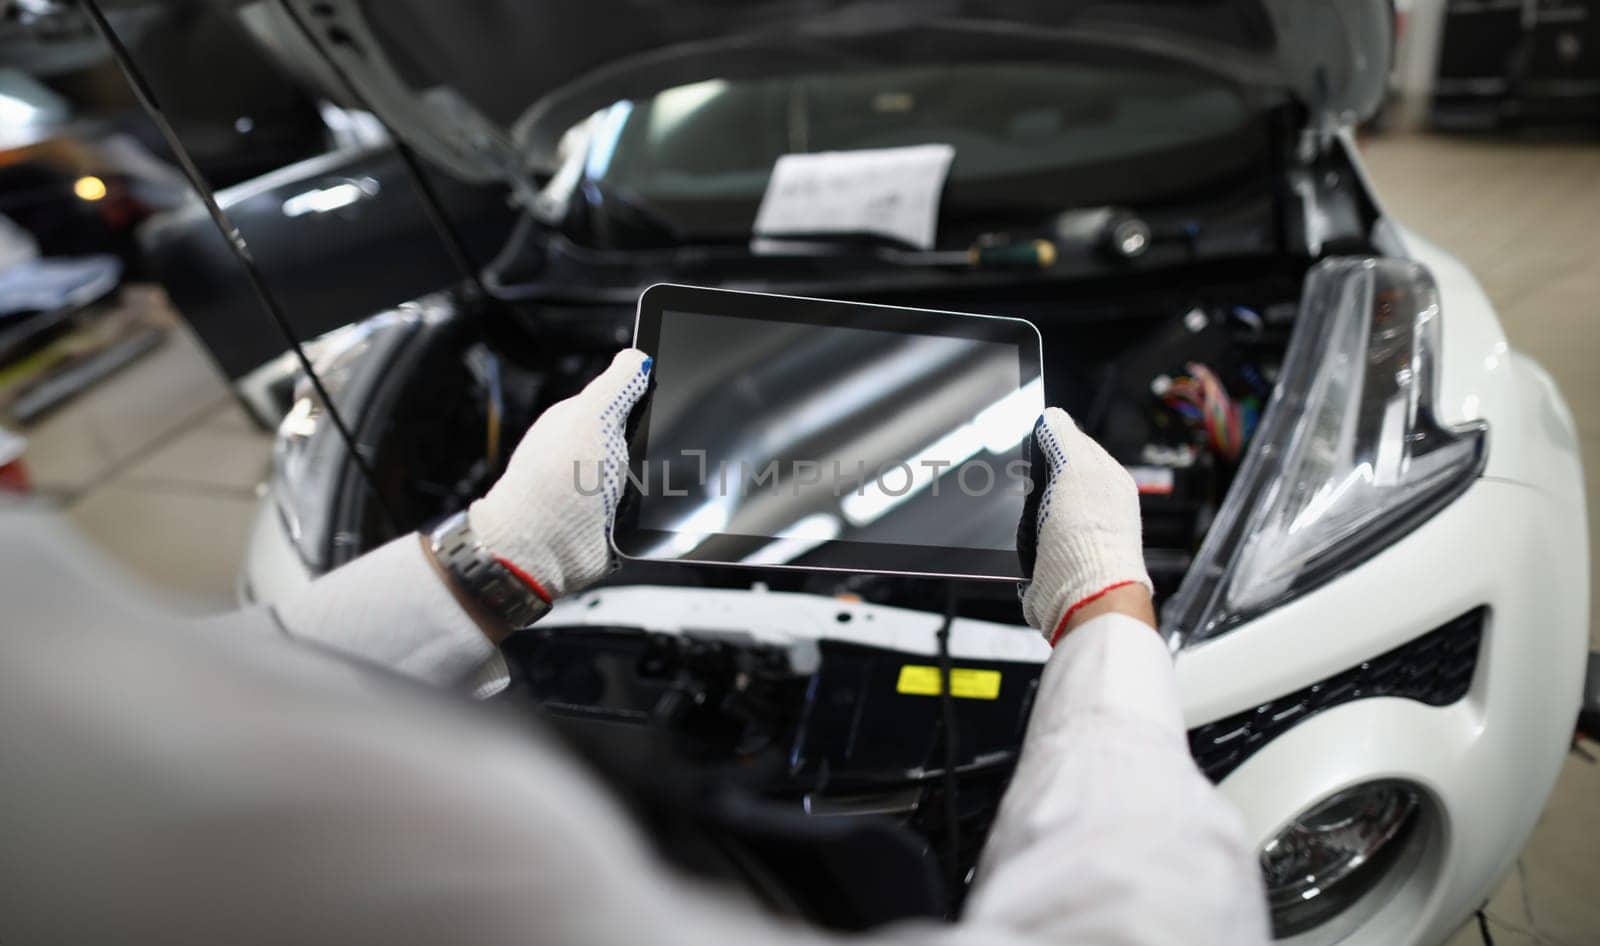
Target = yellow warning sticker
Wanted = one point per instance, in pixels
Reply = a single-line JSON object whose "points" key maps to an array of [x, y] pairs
{"points": [[965, 683]]}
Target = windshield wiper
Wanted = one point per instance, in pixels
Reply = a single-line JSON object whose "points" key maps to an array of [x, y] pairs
{"points": [[985, 254]]}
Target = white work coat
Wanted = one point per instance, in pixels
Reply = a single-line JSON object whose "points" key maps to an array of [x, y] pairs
{"points": [[233, 781]]}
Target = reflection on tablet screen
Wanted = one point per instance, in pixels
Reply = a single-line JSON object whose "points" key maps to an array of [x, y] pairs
{"points": [[804, 434]]}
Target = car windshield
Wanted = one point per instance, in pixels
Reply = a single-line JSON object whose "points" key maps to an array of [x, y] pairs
{"points": [[691, 162]]}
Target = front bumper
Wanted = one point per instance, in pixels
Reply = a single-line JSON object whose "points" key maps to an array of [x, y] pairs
{"points": [[1515, 544], [1486, 762]]}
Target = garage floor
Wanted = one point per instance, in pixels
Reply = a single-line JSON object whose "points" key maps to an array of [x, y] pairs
{"points": [[160, 467]]}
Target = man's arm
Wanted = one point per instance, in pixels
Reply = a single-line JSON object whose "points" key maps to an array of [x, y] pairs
{"points": [[392, 607], [1108, 832], [168, 787]]}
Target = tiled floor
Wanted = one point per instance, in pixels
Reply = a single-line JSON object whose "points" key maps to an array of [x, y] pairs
{"points": [[160, 466]]}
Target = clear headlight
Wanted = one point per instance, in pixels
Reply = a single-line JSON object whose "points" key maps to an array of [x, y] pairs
{"points": [[310, 461], [1349, 454]]}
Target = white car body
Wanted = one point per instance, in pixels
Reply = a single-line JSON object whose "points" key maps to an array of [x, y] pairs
{"points": [[1514, 542]]}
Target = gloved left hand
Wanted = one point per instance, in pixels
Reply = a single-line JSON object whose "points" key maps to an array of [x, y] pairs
{"points": [[550, 516]]}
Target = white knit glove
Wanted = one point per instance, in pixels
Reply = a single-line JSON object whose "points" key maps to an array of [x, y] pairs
{"points": [[1087, 537], [538, 516]]}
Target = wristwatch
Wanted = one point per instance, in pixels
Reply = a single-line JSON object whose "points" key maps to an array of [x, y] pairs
{"points": [[498, 586]]}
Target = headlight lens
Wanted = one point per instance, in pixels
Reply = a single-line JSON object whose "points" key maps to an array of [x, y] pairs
{"points": [[309, 458], [1349, 455], [1335, 852]]}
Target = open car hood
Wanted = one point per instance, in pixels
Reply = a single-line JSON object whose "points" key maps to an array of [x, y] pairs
{"points": [[487, 88]]}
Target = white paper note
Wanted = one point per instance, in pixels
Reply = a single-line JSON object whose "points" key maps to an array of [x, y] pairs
{"points": [[888, 191]]}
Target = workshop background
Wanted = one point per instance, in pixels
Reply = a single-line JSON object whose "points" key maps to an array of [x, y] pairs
{"points": [[117, 408]]}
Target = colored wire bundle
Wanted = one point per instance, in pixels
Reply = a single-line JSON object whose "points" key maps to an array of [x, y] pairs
{"points": [[1200, 398]]}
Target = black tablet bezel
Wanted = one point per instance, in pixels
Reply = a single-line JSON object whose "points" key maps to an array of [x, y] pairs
{"points": [[632, 542]]}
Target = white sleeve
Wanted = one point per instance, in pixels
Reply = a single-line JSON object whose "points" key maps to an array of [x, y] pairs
{"points": [[1109, 835], [390, 608], [169, 786]]}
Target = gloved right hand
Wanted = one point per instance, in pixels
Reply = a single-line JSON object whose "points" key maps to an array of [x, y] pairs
{"points": [[1080, 535], [550, 514]]}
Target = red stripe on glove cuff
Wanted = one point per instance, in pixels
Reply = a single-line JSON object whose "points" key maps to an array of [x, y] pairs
{"points": [[529, 580], [1061, 625]]}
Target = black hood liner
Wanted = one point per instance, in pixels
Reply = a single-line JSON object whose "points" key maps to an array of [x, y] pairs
{"points": [[529, 71]]}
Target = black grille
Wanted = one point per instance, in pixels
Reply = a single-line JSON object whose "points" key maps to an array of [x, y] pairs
{"points": [[1436, 669]]}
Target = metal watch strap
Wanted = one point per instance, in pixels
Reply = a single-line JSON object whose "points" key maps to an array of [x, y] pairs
{"points": [[481, 576]]}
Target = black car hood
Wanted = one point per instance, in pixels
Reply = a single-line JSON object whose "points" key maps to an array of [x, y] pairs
{"points": [[487, 88]]}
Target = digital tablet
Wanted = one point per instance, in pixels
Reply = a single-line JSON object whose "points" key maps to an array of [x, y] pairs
{"points": [[804, 433]]}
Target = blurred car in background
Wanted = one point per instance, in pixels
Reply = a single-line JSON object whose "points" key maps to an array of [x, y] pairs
{"points": [[1359, 503], [82, 169], [336, 235]]}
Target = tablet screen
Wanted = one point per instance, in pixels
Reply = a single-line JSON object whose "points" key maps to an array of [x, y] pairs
{"points": [[808, 433]]}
